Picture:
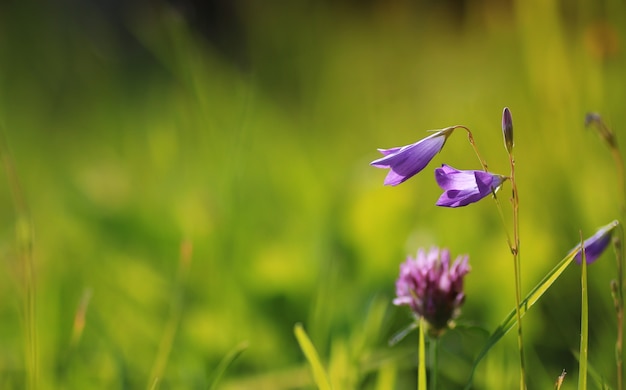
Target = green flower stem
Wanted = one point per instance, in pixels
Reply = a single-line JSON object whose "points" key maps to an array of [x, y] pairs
{"points": [[434, 362], [470, 138], [618, 297], [619, 256], [421, 364], [618, 291], [514, 247], [516, 265]]}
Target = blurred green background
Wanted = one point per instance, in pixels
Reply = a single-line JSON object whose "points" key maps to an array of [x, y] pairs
{"points": [[242, 132]]}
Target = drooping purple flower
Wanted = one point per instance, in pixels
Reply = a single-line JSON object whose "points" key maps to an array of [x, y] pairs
{"points": [[432, 287], [507, 129], [406, 161], [464, 187], [596, 244]]}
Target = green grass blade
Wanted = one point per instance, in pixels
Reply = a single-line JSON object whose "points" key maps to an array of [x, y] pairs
{"points": [[598, 380], [584, 326], [402, 333], [387, 376], [319, 374], [226, 362], [528, 302], [421, 364]]}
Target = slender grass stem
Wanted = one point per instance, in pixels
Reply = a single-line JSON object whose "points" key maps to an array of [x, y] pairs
{"points": [[619, 164], [434, 362], [501, 213], [470, 138], [619, 256], [167, 340], [618, 297], [618, 290], [320, 376], [516, 265], [584, 323], [24, 233], [514, 246], [483, 163]]}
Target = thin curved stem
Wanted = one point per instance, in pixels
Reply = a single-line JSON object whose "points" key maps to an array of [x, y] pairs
{"points": [[25, 237], [483, 163], [618, 286], [470, 138], [516, 265]]}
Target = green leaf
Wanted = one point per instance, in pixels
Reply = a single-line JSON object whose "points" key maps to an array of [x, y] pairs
{"points": [[226, 362], [509, 322], [599, 381], [307, 347], [584, 325], [402, 333]]}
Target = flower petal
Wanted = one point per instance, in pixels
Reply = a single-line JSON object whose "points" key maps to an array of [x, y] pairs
{"points": [[464, 187], [487, 182], [406, 161], [596, 244]]}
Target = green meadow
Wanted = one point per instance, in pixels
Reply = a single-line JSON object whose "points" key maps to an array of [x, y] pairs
{"points": [[173, 202]]}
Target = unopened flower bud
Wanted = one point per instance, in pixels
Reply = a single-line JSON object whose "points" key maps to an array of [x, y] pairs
{"points": [[507, 129]]}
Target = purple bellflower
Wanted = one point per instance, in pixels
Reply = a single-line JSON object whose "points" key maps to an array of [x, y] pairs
{"points": [[404, 162], [596, 244], [432, 287], [464, 187]]}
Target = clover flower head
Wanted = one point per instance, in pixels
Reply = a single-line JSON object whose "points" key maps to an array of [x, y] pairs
{"points": [[595, 245], [404, 162], [432, 287], [464, 187]]}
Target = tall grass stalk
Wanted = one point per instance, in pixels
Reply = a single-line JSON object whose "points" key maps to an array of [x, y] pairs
{"points": [[617, 286], [515, 250], [619, 256], [24, 239], [584, 323], [434, 362], [514, 245], [226, 362], [176, 308], [320, 376]]}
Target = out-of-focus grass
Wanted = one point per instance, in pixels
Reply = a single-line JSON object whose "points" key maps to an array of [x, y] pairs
{"points": [[128, 145]]}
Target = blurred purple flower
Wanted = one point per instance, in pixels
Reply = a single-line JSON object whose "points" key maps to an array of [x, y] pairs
{"points": [[596, 244], [431, 287], [464, 187], [405, 161]]}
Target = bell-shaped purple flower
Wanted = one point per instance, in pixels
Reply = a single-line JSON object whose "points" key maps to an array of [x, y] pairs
{"points": [[405, 161], [596, 244], [464, 187], [432, 287]]}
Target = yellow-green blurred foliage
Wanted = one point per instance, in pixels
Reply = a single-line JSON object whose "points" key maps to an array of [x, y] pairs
{"points": [[252, 142]]}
